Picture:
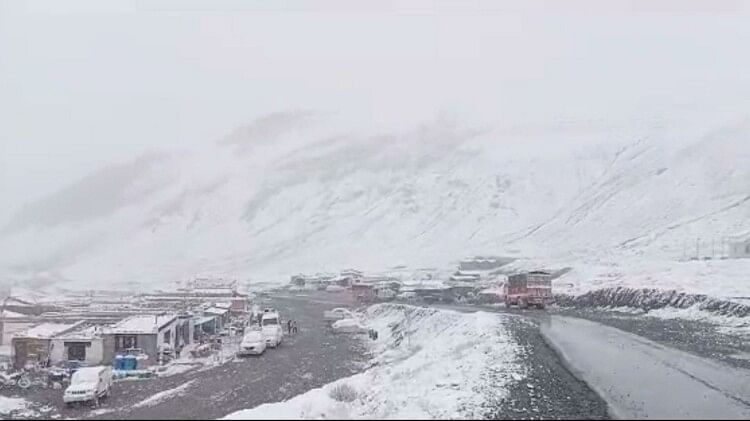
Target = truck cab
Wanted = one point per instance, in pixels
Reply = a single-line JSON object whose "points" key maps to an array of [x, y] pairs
{"points": [[529, 289], [270, 323]]}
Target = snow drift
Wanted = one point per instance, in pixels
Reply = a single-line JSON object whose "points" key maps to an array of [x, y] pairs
{"points": [[427, 364]]}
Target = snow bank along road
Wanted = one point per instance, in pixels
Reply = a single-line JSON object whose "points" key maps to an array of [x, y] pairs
{"points": [[307, 360], [642, 379], [436, 364]]}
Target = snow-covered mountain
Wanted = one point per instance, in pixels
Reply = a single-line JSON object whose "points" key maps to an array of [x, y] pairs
{"points": [[297, 191]]}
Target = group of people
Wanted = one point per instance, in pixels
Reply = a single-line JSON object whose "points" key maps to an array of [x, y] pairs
{"points": [[291, 326]]}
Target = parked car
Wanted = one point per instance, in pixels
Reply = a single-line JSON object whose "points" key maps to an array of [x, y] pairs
{"points": [[253, 343], [337, 314], [89, 384], [271, 328]]}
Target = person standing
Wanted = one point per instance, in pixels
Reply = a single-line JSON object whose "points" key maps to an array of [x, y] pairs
{"points": [[289, 326], [294, 327]]}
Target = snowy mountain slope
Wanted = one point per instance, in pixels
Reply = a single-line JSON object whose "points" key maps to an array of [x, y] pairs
{"points": [[298, 192]]}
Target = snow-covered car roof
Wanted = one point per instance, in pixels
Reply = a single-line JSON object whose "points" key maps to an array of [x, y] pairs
{"points": [[271, 315], [252, 336]]}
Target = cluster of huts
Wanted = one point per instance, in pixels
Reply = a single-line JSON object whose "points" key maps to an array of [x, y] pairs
{"points": [[478, 279], [96, 328]]}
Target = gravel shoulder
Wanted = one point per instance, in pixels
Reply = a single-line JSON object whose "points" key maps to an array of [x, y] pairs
{"points": [[550, 390]]}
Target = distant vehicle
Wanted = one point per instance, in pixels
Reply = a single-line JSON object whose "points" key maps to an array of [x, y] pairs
{"points": [[253, 343], [407, 296], [89, 384], [271, 328], [337, 314], [529, 289], [349, 326]]}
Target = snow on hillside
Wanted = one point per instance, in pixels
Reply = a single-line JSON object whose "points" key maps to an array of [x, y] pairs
{"points": [[301, 192], [428, 364]]}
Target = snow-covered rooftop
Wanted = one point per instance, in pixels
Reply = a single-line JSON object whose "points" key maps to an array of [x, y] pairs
{"points": [[86, 333], [202, 319], [213, 291], [217, 311], [11, 315], [46, 330], [142, 324]]}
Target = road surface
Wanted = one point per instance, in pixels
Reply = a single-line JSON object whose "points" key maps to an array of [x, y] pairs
{"points": [[642, 379]]}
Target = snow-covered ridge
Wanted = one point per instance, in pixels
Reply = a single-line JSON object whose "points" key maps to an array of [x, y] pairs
{"points": [[653, 299], [304, 194], [427, 364]]}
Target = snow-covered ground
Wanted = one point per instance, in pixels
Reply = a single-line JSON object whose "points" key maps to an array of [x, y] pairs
{"points": [[427, 363], [17, 407], [166, 394], [726, 324], [723, 279]]}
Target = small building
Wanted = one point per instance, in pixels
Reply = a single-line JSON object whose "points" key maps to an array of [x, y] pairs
{"points": [[466, 276], [239, 306], [353, 275], [481, 263], [34, 344], [222, 315], [739, 248], [205, 325], [462, 291], [491, 296], [298, 280], [22, 306], [142, 334], [211, 284], [12, 323], [184, 329], [432, 291], [384, 293], [363, 292], [85, 344]]}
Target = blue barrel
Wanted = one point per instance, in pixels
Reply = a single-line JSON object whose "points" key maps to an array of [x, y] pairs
{"points": [[131, 363], [119, 362]]}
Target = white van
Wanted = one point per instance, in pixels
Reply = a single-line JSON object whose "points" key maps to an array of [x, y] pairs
{"points": [[271, 327], [89, 384]]}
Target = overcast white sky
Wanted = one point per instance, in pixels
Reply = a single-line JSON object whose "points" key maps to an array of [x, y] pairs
{"points": [[83, 83]]}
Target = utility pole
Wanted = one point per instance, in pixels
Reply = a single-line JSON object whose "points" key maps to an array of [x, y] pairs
{"points": [[698, 248], [713, 250], [684, 250]]}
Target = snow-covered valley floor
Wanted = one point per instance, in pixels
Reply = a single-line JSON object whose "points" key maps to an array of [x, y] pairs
{"points": [[427, 363]]}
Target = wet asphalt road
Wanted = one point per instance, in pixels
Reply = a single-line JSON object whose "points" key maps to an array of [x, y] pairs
{"points": [[310, 359], [695, 337]]}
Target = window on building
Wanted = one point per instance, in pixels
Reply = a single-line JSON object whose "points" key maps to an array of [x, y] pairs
{"points": [[125, 342], [168, 337], [76, 350]]}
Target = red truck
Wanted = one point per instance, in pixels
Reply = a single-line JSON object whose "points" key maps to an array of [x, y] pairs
{"points": [[529, 289]]}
